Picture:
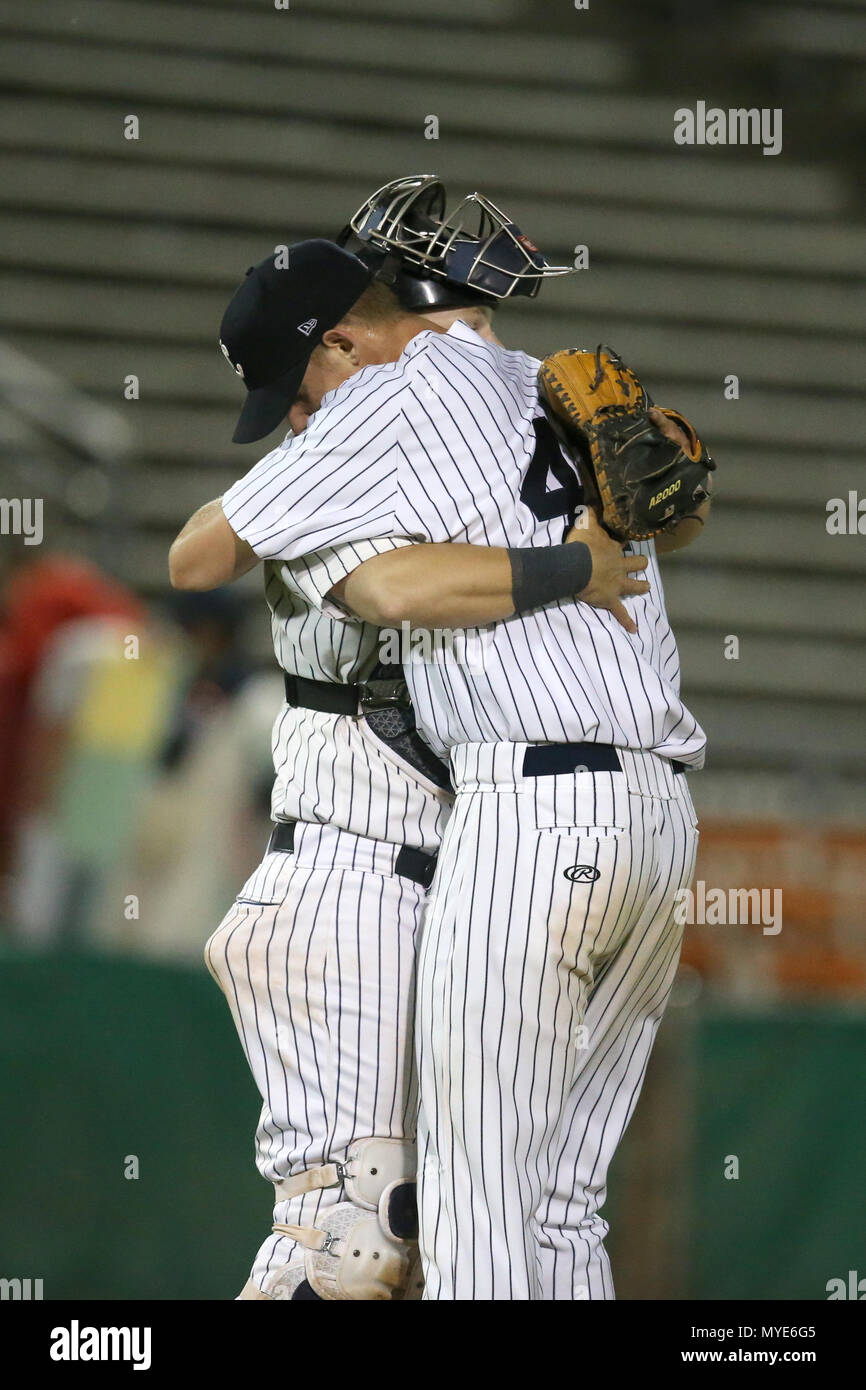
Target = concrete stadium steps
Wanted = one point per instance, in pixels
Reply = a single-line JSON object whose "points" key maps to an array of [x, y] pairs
{"points": [[132, 185], [457, 12], [821, 31], [693, 237], [712, 299], [513, 14], [118, 257], [773, 359], [384, 44], [16, 435], [751, 602], [167, 372], [121, 310], [784, 732], [779, 539], [681, 355], [770, 418], [722, 306], [740, 794], [777, 664], [487, 17], [244, 142], [224, 83]]}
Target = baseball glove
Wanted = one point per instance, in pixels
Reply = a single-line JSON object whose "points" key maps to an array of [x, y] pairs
{"points": [[640, 482]]}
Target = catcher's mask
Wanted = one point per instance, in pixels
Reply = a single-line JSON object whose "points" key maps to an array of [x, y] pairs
{"points": [[433, 259]]}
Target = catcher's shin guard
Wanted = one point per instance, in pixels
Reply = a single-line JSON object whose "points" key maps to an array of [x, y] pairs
{"points": [[364, 1248], [289, 1283]]}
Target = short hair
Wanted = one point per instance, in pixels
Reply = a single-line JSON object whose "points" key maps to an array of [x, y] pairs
{"points": [[377, 304]]}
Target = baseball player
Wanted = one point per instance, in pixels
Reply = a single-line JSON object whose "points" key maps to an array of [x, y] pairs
{"points": [[488, 605], [317, 955], [550, 943]]}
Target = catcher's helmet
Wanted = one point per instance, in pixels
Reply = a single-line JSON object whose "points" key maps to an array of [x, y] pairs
{"points": [[432, 260]]}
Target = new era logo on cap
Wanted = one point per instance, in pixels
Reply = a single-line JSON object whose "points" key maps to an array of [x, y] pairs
{"points": [[276, 319], [236, 367]]}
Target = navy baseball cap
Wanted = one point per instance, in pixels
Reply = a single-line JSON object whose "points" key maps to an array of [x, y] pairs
{"points": [[275, 319]]}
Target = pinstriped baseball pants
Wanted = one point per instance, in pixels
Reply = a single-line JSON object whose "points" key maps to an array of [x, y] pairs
{"points": [[317, 962], [547, 957]]}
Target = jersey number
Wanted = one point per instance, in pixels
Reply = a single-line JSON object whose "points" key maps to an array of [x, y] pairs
{"points": [[547, 459]]}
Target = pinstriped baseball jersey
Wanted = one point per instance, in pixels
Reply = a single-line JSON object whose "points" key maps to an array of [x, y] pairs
{"points": [[450, 443], [329, 768]]}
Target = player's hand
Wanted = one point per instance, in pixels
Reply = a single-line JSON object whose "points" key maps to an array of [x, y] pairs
{"points": [[611, 570], [670, 429]]}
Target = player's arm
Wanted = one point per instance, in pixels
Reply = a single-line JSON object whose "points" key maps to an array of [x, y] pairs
{"points": [[303, 495], [447, 584], [208, 553]]}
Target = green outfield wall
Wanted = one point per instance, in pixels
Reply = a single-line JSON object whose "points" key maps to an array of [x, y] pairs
{"points": [[111, 1067]]}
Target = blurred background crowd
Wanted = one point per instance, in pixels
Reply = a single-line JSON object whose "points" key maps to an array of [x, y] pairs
{"points": [[135, 759], [151, 151]]}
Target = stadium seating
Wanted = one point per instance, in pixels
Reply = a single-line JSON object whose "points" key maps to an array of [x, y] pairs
{"points": [[117, 256]]}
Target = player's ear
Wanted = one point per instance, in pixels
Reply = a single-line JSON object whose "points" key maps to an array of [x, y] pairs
{"points": [[341, 342]]}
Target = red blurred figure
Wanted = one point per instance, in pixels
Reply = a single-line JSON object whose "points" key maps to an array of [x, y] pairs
{"points": [[38, 598]]}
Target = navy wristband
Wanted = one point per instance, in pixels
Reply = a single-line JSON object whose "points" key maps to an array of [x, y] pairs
{"points": [[543, 574]]}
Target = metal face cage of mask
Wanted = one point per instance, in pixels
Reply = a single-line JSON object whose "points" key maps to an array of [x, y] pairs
{"points": [[476, 244]]}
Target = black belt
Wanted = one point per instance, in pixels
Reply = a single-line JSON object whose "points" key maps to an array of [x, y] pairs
{"points": [[548, 759], [410, 863], [330, 698]]}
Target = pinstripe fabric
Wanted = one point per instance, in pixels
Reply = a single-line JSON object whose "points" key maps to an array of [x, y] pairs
{"points": [[319, 977], [511, 956], [332, 769], [519, 1118], [443, 445], [625, 1008]]}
